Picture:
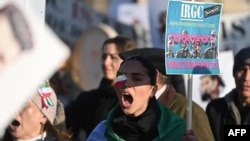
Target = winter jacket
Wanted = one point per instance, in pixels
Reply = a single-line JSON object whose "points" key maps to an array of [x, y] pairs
{"points": [[226, 111], [178, 104], [91, 107]]}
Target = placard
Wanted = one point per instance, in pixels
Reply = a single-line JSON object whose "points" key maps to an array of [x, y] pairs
{"points": [[29, 54], [191, 39]]}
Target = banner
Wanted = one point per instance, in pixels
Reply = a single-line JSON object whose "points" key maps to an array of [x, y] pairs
{"points": [[191, 39]]}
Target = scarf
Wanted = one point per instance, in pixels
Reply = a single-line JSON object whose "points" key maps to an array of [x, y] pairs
{"points": [[143, 127]]}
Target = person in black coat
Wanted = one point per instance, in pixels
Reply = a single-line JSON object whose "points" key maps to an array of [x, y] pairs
{"points": [[234, 107]]}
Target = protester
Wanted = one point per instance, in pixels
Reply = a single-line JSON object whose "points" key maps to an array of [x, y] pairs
{"points": [[168, 96], [233, 108], [35, 122], [91, 107], [139, 116]]}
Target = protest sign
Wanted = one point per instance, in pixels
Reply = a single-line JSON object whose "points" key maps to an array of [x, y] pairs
{"points": [[191, 39], [29, 54], [191, 42], [38, 6]]}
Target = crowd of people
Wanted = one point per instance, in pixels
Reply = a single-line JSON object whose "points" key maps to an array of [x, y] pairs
{"points": [[135, 101]]}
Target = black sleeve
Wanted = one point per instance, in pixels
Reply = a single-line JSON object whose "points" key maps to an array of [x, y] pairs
{"points": [[215, 110], [78, 112]]}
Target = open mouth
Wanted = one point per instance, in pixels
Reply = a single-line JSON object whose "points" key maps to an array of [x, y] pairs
{"points": [[15, 123], [127, 100]]}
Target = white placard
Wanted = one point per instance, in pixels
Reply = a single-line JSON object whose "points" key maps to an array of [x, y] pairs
{"points": [[38, 6], [226, 68], [34, 53]]}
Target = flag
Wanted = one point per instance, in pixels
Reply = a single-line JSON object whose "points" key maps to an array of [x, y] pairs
{"points": [[120, 80]]}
